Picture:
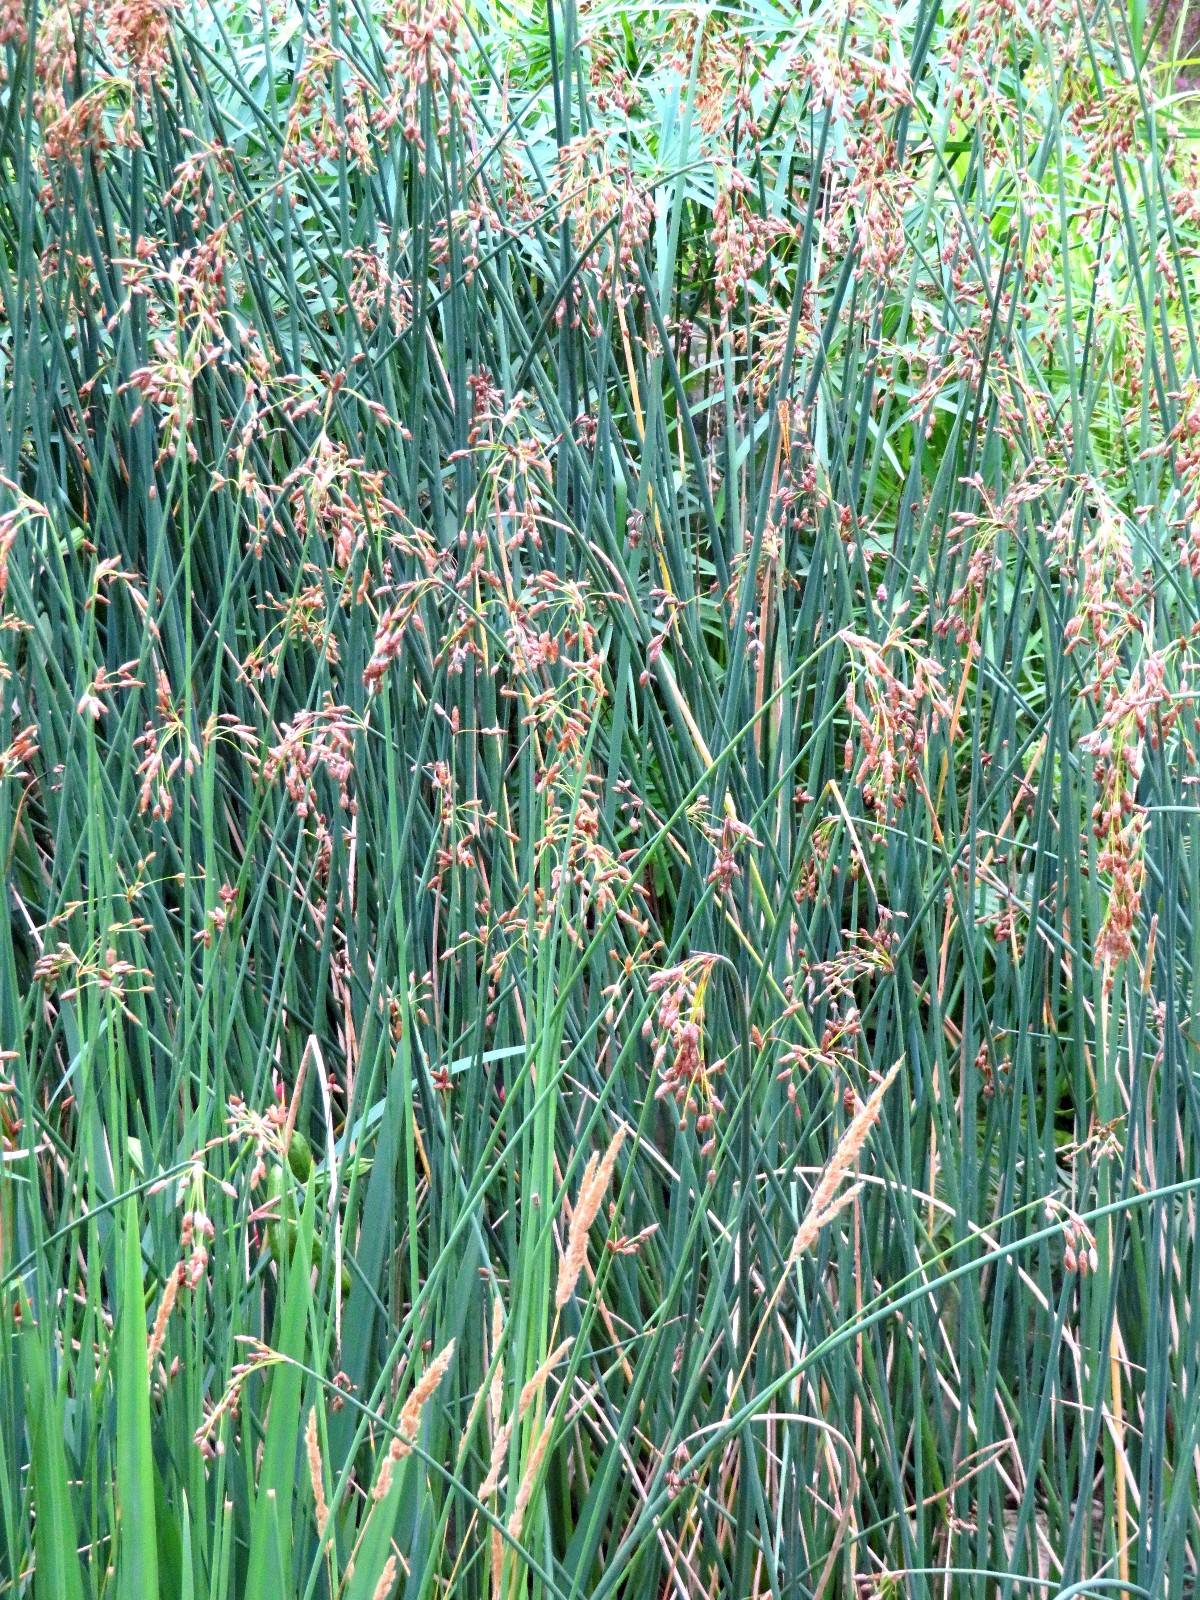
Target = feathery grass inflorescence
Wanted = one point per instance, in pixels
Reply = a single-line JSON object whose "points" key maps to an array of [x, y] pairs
{"points": [[829, 1197], [593, 1187]]}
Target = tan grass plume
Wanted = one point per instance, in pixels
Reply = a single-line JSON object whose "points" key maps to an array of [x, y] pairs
{"points": [[386, 1579], [313, 1451], [592, 1189], [528, 1394], [159, 1332], [829, 1198], [410, 1419], [410, 1414], [528, 1479]]}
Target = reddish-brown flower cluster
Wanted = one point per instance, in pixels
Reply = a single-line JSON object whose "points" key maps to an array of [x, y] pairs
{"points": [[611, 218], [741, 239], [56, 65], [894, 699], [554, 655], [732, 837], [107, 681], [427, 36], [391, 630], [67, 972], [314, 741], [139, 32], [1143, 711], [15, 758], [1109, 610], [334, 498], [1079, 1242], [677, 1028], [13, 26], [167, 748], [315, 133], [979, 532], [583, 863], [166, 385], [379, 295], [197, 1231], [1136, 706]]}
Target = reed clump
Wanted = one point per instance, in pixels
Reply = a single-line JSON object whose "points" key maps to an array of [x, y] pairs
{"points": [[599, 618]]}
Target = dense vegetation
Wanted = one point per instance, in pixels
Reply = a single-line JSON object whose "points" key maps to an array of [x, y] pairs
{"points": [[598, 792]]}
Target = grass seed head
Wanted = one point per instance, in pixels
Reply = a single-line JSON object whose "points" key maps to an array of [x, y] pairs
{"points": [[592, 1189]]}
